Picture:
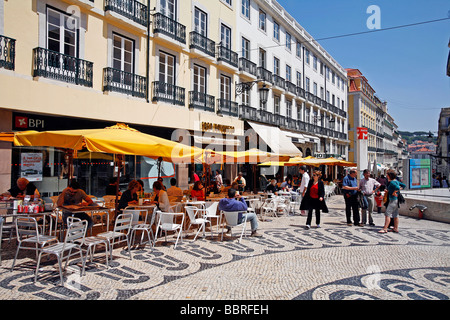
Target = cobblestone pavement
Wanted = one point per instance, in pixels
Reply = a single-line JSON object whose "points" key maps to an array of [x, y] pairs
{"points": [[289, 262]]}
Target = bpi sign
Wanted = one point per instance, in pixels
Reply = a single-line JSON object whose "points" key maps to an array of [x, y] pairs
{"points": [[28, 123], [362, 133]]}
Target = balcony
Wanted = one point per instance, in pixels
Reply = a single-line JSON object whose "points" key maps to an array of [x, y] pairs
{"points": [[58, 66], [247, 66], [169, 27], [227, 107], [228, 56], [264, 74], [7, 53], [290, 87], [124, 82], [169, 93], [301, 93], [202, 43], [201, 101], [131, 9], [279, 81]]}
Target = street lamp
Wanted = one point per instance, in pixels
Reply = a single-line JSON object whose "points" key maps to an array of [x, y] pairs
{"points": [[247, 86]]}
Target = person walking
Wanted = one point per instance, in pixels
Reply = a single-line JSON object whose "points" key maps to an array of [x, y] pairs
{"points": [[350, 189], [393, 189], [368, 187], [303, 184], [314, 199]]}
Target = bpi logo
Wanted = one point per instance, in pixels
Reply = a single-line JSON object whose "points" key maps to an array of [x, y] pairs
{"points": [[26, 122], [362, 133]]}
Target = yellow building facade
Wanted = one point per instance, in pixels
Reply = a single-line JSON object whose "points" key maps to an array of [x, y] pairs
{"points": [[88, 63]]}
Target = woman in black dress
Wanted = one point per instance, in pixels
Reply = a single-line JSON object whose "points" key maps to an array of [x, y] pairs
{"points": [[314, 199]]}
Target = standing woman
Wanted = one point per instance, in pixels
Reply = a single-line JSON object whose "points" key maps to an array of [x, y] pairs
{"points": [[314, 199], [392, 209]]}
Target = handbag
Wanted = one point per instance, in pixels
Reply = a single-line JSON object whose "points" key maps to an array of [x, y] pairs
{"points": [[386, 198], [362, 201], [400, 198]]}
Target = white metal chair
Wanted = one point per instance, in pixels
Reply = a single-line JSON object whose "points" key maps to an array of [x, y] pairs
{"points": [[235, 219], [90, 243], [212, 213], [143, 225], [167, 222], [121, 233], [76, 231], [269, 206], [192, 213], [27, 232], [294, 203]]}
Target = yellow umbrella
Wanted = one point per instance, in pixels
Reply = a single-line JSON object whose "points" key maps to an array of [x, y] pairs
{"points": [[118, 139], [252, 156]]}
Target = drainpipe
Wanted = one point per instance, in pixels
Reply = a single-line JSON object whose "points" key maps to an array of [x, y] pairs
{"points": [[147, 67]]}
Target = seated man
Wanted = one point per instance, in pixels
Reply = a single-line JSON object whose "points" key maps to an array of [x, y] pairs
{"points": [[174, 191], [236, 203], [22, 189], [73, 195]]}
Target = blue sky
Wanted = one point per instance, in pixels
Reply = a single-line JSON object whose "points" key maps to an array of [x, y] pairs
{"points": [[406, 67]]}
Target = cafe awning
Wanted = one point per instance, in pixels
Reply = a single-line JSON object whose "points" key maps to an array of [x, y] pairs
{"points": [[276, 139]]}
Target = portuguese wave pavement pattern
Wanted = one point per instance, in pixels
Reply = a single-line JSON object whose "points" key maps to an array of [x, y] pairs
{"points": [[334, 262]]}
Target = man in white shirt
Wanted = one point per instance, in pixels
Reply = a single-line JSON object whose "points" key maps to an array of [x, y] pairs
{"points": [[368, 187], [303, 185]]}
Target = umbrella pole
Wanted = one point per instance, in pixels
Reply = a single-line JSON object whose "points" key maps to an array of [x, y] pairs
{"points": [[119, 168]]}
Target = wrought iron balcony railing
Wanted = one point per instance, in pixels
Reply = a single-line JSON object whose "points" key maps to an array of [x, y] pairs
{"points": [[7, 52], [279, 81], [131, 9], [227, 107], [169, 93], [169, 27], [124, 82], [290, 87], [201, 101], [55, 65], [202, 43], [247, 66], [264, 74], [225, 54]]}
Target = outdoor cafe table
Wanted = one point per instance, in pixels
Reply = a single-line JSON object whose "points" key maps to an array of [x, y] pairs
{"points": [[89, 210]]}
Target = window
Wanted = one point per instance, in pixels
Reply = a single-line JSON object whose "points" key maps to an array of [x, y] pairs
{"points": [[262, 20], [315, 62], [199, 79], [61, 34], [245, 96], [299, 50], [288, 73], [322, 93], [225, 36], [315, 89], [262, 58], [288, 41], [245, 8], [307, 56], [200, 22], [289, 108], [225, 87], [276, 104], [167, 8], [276, 31], [245, 48], [307, 84], [299, 79], [227, 2], [166, 68], [276, 66], [333, 77], [122, 53]]}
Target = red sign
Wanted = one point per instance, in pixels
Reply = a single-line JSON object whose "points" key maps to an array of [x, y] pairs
{"points": [[21, 122], [362, 133]]}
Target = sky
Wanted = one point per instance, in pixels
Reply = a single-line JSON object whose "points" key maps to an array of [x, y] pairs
{"points": [[406, 67]]}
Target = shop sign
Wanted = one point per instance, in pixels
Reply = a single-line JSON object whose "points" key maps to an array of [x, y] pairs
{"points": [[31, 166], [362, 133], [25, 122], [216, 127]]}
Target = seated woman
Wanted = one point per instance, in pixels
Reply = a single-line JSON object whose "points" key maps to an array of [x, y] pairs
{"points": [[130, 197], [161, 198], [198, 191]]}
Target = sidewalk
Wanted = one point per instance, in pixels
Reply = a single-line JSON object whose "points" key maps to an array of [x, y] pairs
{"points": [[289, 262]]}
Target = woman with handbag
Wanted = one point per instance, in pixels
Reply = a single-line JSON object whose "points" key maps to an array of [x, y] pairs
{"points": [[393, 189], [314, 199]]}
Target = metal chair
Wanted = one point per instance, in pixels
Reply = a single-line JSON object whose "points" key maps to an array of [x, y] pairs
{"points": [[192, 213], [76, 231], [167, 222], [27, 232], [90, 243], [211, 213], [294, 203], [122, 232], [143, 226], [235, 219]]}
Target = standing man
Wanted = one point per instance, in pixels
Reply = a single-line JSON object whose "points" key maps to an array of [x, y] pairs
{"points": [[303, 185], [349, 189], [369, 187]]}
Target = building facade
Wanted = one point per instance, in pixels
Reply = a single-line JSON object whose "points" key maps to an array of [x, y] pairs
{"points": [[443, 144], [171, 68], [385, 145]]}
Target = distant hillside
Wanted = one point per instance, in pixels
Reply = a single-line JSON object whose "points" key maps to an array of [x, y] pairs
{"points": [[410, 137]]}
